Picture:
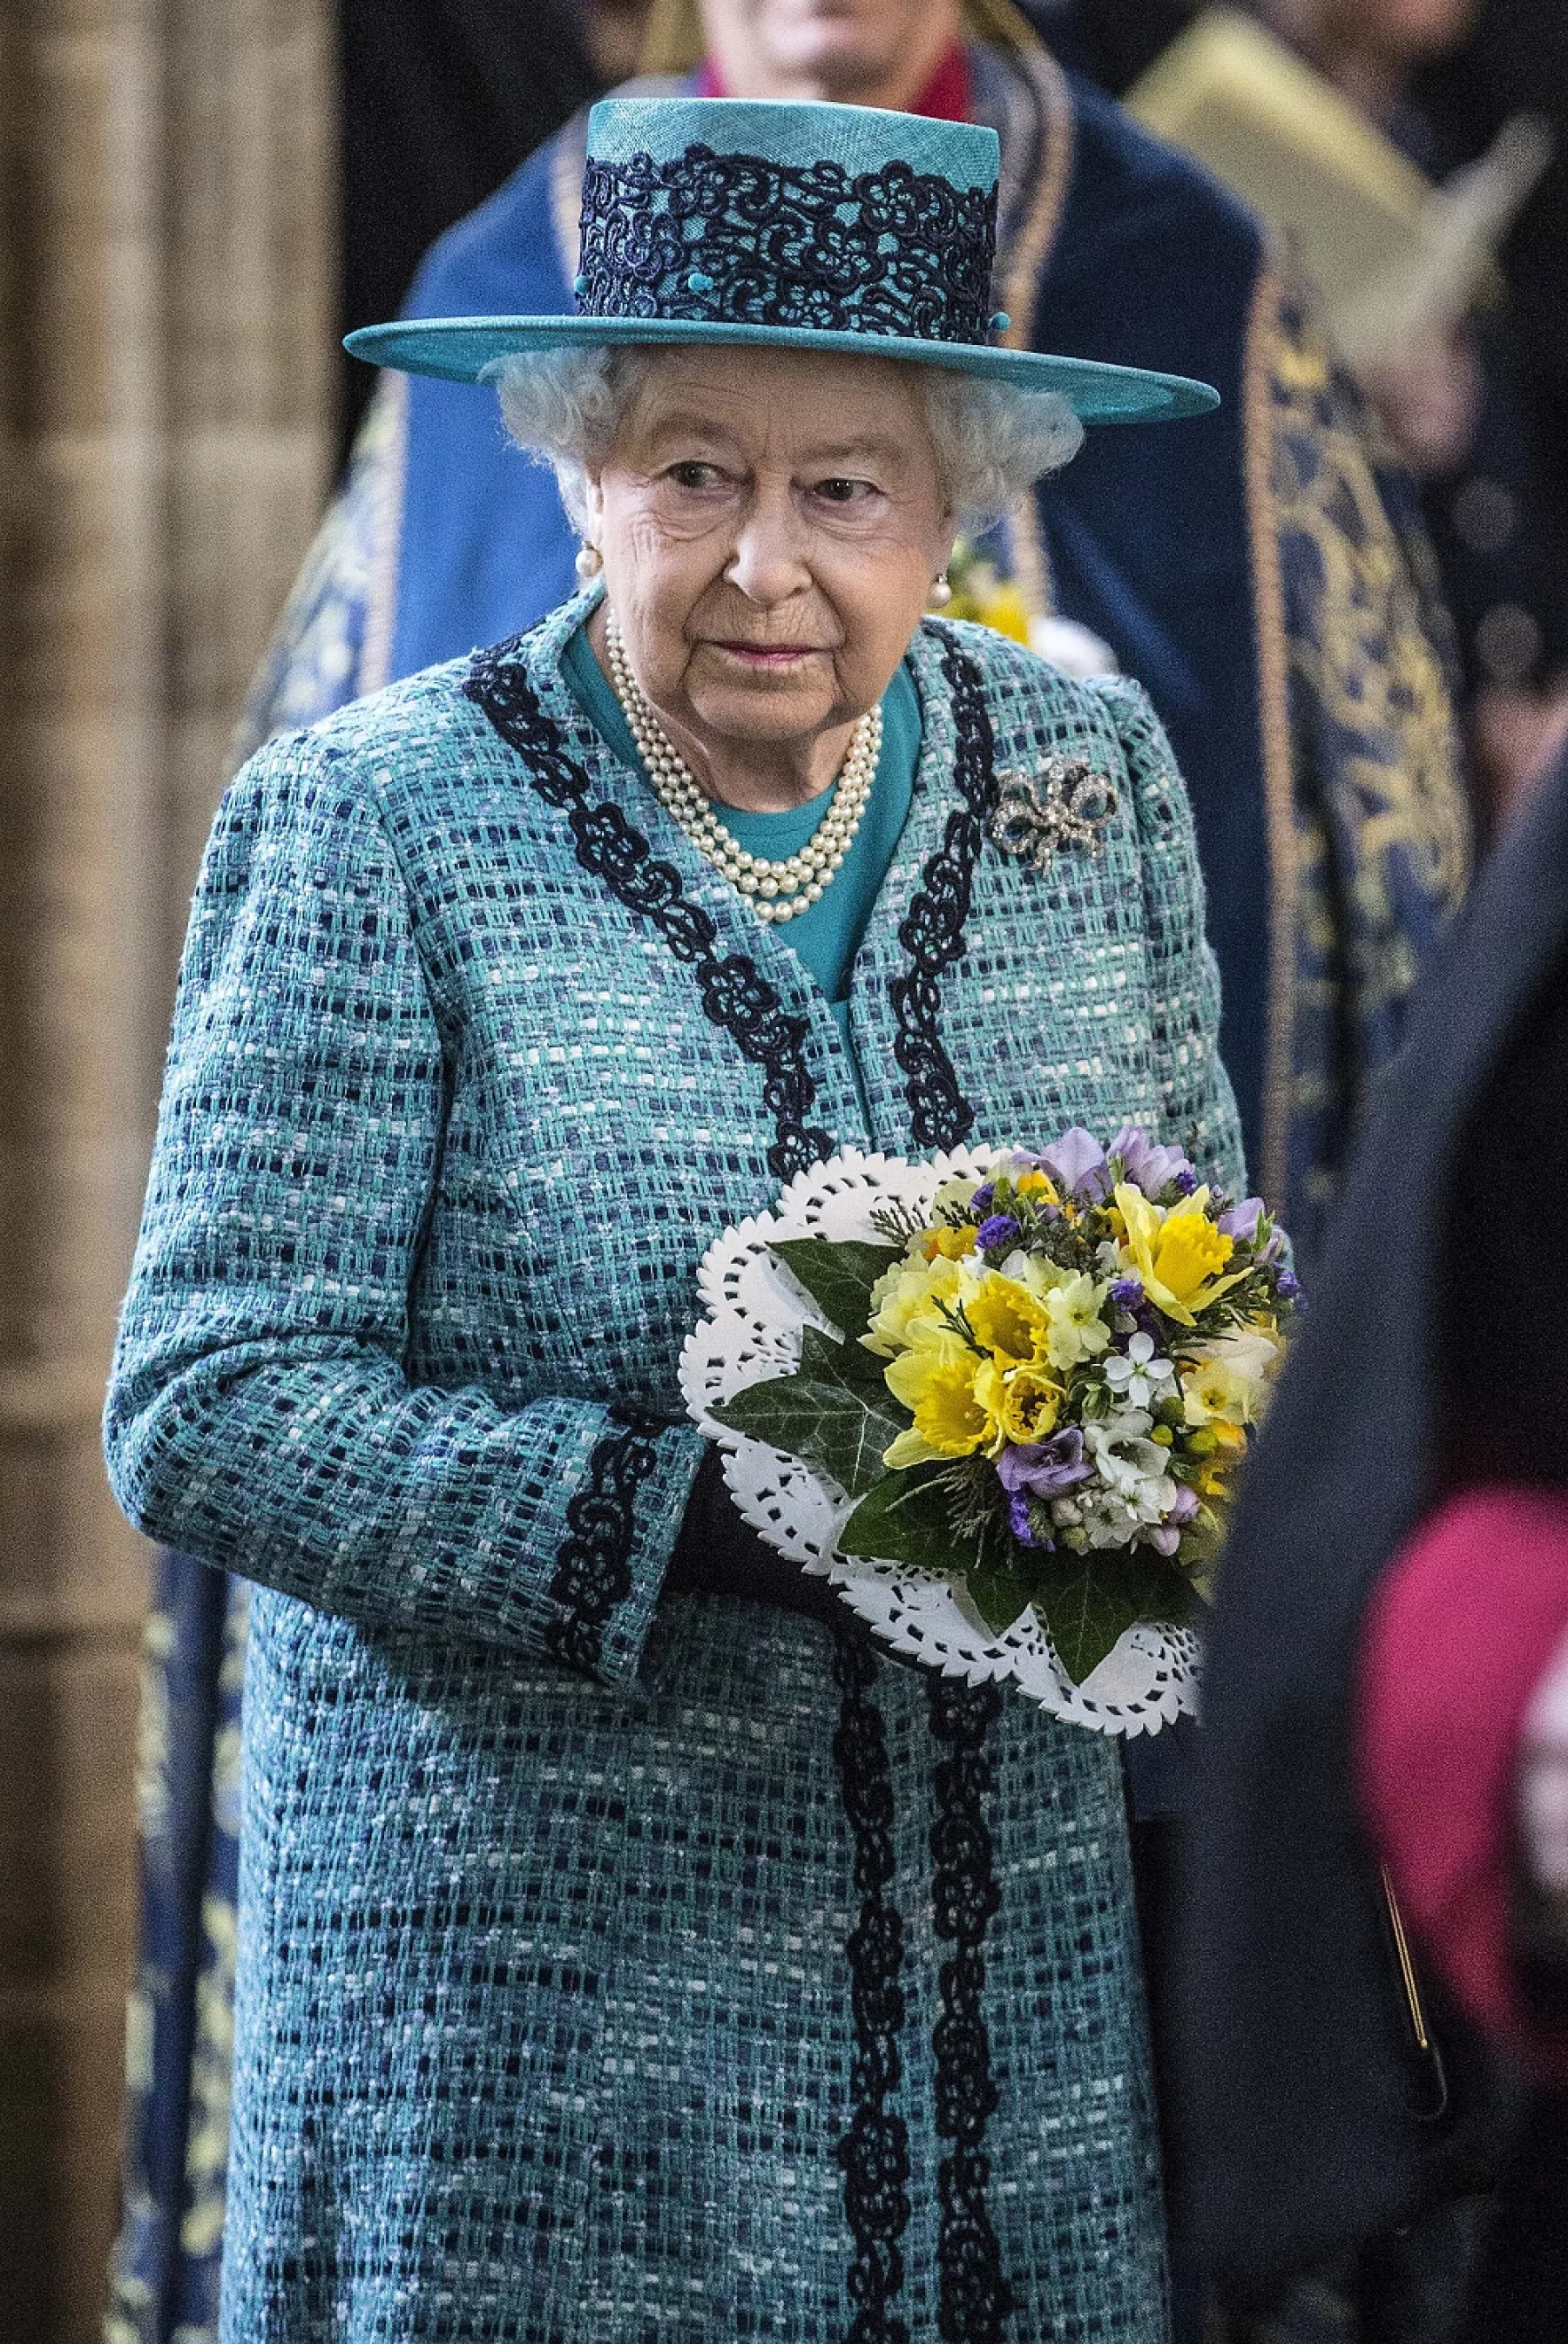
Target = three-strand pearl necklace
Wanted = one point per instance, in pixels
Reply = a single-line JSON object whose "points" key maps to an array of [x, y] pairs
{"points": [[777, 890]]}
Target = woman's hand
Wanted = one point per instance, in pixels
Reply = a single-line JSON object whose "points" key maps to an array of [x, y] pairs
{"points": [[1539, 1930], [1543, 1786]]}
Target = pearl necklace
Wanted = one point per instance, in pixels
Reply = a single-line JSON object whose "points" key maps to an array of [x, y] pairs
{"points": [[779, 890]]}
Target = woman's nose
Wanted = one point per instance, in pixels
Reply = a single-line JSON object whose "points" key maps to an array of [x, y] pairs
{"points": [[768, 563]]}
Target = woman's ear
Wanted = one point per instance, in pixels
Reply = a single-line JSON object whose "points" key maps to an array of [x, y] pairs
{"points": [[594, 506]]}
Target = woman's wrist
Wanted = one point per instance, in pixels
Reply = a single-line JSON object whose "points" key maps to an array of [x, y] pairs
{"points": [[716, 1553]]}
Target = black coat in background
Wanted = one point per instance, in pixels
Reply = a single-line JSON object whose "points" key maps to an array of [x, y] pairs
{"points": [[440, 101], [1296, 2078]]}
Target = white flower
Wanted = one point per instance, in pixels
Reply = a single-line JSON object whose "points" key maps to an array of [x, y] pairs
{"points": [[1107, 1522], [1140, 1378], [953, 1192], [1077, 1332], [1227, 1381], [1135, 1479]]}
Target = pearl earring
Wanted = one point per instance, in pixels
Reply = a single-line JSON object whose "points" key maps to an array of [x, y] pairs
{"points": [[589, 563], [941, 591]]}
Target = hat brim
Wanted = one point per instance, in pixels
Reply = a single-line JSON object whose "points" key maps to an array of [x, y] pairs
{"points": [[458, 349]]}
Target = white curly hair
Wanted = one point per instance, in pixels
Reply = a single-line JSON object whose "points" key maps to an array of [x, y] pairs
{"points": [[993, 441]]}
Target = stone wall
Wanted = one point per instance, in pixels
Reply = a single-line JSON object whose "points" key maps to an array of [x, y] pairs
{"points": [[166, 372]]}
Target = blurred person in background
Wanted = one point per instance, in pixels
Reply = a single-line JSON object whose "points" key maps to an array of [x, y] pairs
{"points": [[439, 100], [1478, 408], [1387, 1684], [1457, 405], [1268, 584]]}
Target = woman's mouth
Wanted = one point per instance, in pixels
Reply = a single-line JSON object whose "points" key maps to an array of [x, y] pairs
{"points": [[767, 657]]}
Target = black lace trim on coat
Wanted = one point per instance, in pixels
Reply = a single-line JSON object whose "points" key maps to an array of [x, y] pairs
{"points": [[932, 931], [593, 1562], [874, 2152], [974, 2298], [735, 995]]}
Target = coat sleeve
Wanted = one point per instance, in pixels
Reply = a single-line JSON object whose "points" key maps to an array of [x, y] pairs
{"points": [[1184, 979], [260, 1411]]}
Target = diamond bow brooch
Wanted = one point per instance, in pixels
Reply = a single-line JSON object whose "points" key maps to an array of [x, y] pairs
{"points": [[1065, 802]]}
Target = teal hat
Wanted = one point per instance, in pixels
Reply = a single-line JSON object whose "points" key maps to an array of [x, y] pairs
{"points": [[806, 227]]}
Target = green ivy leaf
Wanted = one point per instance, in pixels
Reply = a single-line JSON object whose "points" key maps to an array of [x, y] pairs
{"points": [[904, 1518], [1087, 1602], [999, 1594], [838, 1275], [825, 1412]]}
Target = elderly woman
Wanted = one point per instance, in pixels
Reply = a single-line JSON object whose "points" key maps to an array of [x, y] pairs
{"points": [[626, 1949]]}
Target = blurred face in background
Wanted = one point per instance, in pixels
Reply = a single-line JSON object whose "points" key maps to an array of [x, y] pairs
{"points": [[613, 35], [853, 52], [1400, 34]]}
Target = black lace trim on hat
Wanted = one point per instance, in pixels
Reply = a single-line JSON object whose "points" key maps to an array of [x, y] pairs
{"points": [[932, 931], [874, 2152], [593, 1562], [735, 995], [737, 239], [973, 2299]]}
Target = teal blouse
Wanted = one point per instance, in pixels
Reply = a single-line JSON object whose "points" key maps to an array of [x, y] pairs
{"points": [[827, 937]]}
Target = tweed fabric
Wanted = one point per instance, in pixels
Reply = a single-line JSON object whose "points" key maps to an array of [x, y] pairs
{"points": [[612, 1969]]}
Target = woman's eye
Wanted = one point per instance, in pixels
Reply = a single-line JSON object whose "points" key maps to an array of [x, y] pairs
{"points": [[693, 476], [844, 492]]}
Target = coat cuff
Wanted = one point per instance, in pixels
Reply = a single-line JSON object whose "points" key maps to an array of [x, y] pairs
{"points": [[1460, 1631], [621, 1522]]}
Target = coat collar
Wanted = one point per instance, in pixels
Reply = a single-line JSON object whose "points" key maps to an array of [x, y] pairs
{"points": [[900, 934]]}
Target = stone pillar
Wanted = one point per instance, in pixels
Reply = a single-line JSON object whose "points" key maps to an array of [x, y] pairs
{"points": [[166, 241]]}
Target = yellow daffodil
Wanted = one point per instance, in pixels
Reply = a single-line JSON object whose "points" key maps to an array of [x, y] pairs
{"points": [[1006, 1319], [1005, 609], [1178, 1255], [907, 1300], [1227, 1384], [1031, 1403], [982, 594], [1037, 1183], [1077, 1330], [954, 1396], [950, 1243]]}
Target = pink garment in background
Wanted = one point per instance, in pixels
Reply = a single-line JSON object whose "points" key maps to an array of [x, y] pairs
{"points": [[1458, 1636]]}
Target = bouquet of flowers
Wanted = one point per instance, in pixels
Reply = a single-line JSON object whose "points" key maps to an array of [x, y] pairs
{"points": [[1035, 1383]]}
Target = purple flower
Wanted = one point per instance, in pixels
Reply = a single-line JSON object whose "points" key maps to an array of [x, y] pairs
{"points": [[1126, 1293], [1186, 1504], [1020, 1521], [981, 1201], [1286, 1286], [1185, 1181], [1076, 1163], [1046, 1468], [1163, 1538], [1240, 1221], [1000, 1230], [1149, 1167]]}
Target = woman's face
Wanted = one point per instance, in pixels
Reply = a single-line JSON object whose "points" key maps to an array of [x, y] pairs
{"points": [[852, 50], [770, 523]]}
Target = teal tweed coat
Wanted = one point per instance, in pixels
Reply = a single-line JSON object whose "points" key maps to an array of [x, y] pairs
{"points": [[612, 1967]]}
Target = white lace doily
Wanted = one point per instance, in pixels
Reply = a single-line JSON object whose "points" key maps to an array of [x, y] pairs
{"points": [[756, 1313]]}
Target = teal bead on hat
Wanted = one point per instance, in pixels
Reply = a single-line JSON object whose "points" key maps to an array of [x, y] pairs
{"points": [[837, 229]]}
